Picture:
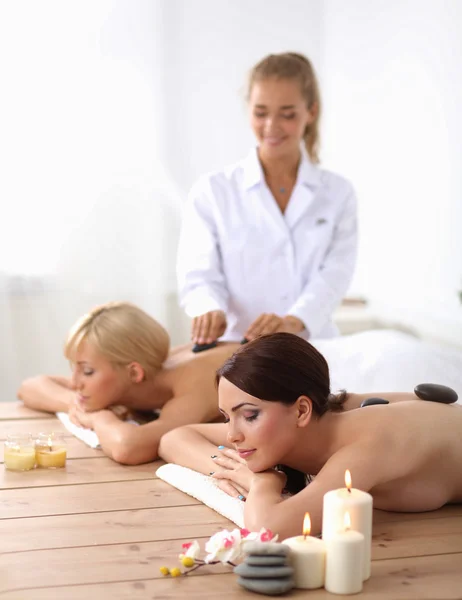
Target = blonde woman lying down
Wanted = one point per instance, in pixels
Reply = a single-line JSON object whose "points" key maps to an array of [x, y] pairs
{"points": [[120, 358], [275, 396]]}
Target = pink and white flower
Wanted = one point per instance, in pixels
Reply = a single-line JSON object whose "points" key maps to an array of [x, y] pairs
{"points": [[191, 549], [225, 546], [264, 535]]}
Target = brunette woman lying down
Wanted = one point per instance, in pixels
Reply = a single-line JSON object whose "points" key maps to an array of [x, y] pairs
{"points": [[282, 423]]}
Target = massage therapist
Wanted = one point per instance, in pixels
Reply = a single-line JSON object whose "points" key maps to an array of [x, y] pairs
{"points": [[269, 244]]}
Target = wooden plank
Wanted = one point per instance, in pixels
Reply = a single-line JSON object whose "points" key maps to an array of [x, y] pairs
{"points": [[392, 540], [117, 527], [78, 471], [90, 498], [417, 538], [17, 410], [71, 566], [75, 449], [428, 577], [33, 426], [125, 495]]}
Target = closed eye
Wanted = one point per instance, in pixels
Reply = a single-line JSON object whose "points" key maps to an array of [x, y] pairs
{"points": [[252, 417]]}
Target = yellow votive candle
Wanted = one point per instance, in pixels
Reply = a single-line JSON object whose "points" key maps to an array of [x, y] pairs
{"points": [[50, 451], [19, 453], [308, 558]]}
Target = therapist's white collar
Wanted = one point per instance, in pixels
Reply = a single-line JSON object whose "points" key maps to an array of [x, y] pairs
{"points": [[308, 173]]}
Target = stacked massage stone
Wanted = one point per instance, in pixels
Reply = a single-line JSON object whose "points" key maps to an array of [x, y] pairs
{"points": [[266, 569]]}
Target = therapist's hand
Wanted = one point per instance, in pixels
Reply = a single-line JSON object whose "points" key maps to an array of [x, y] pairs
{"points": [[263, 325], [271, 323], [209, 327]]}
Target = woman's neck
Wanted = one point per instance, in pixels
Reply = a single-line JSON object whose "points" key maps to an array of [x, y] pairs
{"points": [[148, 394], [316, 443], [284, 167]]}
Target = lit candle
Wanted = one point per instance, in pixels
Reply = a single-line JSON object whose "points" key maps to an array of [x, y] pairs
{"points": [[359, 506], [308, 558], [50, 451], [19, 453], [344, 561]]}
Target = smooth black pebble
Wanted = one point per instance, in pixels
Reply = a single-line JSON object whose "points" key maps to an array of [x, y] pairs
{"points": [[202, 347], [433, 392], [373, 401]]}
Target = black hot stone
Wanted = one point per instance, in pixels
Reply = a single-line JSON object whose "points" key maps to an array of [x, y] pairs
{"points": [[433, 392], [373, 401], [202, 347]]}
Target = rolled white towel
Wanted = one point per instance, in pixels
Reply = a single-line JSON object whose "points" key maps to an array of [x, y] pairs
{"points": [[88, 436], [203, 488], [85, 435]]}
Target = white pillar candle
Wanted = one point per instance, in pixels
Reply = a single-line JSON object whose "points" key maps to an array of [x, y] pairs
{"points": [[308, 558], [344, 562], [359, 506]]}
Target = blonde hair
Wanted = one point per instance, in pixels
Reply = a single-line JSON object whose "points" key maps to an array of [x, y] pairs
{"points": [[290, 65], [122, 333]]}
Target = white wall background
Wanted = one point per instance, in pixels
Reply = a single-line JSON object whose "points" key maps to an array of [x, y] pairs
{"points": [[110, 109], [392, 85]]}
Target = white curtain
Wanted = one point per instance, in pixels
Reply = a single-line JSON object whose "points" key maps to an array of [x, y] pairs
{"points": [[89, 212]]}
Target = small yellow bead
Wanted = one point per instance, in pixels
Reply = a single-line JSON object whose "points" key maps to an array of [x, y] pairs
{"points": [[188, 561], [175, 572], [164, 570]]}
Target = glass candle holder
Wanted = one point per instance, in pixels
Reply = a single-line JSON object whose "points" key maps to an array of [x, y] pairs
{"points": [[19, 452], [50, 451]]}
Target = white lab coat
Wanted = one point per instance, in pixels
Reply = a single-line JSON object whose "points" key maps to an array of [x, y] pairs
{"points": [[240, 254]]}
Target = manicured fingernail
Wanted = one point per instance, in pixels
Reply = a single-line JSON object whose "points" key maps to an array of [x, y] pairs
{"points": [[221, 447], [241, 497], [214, 456], [211, 472]]}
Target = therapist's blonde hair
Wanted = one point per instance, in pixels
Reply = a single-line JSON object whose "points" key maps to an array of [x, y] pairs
{"points": [[291, 65], [122, 333]]}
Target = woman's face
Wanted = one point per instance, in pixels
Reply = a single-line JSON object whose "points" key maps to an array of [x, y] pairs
{"points": [[278, 115], [99, 384], [261, 431]]}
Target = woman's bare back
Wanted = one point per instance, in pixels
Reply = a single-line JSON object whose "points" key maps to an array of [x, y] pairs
{"points": [[186, 372], [417, 449]]}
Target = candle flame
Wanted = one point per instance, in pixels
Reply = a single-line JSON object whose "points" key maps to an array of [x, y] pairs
{"points": [[347, 521], [307, 524], [348, 480], [50, 443]]}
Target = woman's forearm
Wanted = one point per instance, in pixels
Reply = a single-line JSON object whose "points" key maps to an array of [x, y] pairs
{"points": [[189, 448], [46, 393], [263, 498], [121, 441]]}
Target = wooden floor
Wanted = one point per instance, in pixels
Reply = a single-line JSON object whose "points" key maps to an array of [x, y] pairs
{"points": [[98, 530]]}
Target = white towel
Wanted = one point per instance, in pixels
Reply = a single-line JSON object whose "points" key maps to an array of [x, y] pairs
{"points": [[85, 435], [203, 488]]}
